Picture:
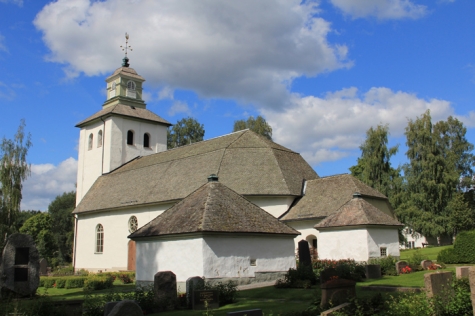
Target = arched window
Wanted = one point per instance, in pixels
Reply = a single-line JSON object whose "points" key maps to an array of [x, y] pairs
{"points": [[91, 138], [130, 137], [146, 140], [99, 238], [131, 85], [133, 224], [99, 138], [130, 91]]}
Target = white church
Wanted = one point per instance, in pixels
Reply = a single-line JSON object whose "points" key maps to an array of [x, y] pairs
{"points": [[233, 206]]}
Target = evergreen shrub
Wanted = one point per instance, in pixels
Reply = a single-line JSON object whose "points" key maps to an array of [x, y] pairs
{"points": [[388, 264], [464, 247], [447, 256], [98, 282], [75, 282]]}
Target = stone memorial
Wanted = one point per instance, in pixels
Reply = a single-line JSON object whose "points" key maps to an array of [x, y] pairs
{"points": [[425, 264], [373, 271], [249, 312], [400, 265], [204, 299], [438, 283], [337, 291], [328, 274], [43, 267], [193, 283], [462, 272], [164, 287], [20, 266], [304, 254], [122, 308]]}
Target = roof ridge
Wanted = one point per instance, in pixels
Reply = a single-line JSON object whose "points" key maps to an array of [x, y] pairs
{"points": [[227, 147]]}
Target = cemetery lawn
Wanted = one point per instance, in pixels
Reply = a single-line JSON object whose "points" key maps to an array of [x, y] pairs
{"points": [[414, 279], [429, 253]]}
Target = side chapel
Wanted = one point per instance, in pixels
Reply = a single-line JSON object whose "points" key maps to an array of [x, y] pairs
{"points": [[127, 178]]}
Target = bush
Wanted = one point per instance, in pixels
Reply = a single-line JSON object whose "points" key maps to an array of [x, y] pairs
{"points": [[415, 261], [75, 282], [302, 277], [47, 282], [388, 264], [464, 247], [69, 270], [346, 268], [227, 291], [98, 282], [457, 302], [447, 256], [126, 277]]}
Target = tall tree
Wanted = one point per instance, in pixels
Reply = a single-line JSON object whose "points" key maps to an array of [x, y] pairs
{"points": [[184, 132], [439, 155], [40, 229], [13, 171], [62, 225], [374, 166], [258, 125]]}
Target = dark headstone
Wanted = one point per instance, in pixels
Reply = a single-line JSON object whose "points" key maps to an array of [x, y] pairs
{"points": [[20, 266], [400, 265], [425, 264], [193, 283], [205, 299], [328, 274], [337, 291], [304, 254], [373, 271], [250, 312], [125, 308], [43, 266], [164, 286], [108, 307], [438, 283]]}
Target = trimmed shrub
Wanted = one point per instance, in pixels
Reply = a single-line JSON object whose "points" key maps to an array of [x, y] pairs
{"points": [[75, 282], [346, 268], [98, 282], [464, 247], [48, 282], [415, 261], [126, 277], [447, 256], [388, 264], [302, 277]]}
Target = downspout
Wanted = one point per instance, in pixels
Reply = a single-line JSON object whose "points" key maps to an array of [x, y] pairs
{"points": [[75, 240], [103, 141]]}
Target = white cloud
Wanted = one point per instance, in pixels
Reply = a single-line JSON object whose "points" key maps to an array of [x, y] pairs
{"points": [[17, 2], [246, 50], [166, 93], [330, 128], [48, 181], [179, 107], [382, 9]]}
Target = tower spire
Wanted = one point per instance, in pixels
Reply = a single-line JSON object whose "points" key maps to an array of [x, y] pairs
{"points": [[125, 60]]}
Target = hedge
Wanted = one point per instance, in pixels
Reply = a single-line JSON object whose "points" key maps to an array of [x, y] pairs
{"points": [[69, 282], [98, 282], [464, 247], [448, 256]]}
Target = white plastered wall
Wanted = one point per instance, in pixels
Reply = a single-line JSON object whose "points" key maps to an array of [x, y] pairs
{"points": [[343, 244], [306, 229], [230, 257], [274, 205], [383, 237], [116, 230], [184, 257]]}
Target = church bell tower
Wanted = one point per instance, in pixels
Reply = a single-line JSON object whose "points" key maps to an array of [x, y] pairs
{"points": [[123, 130]]}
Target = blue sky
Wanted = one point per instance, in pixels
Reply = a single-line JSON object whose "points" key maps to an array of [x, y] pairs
{"points": [[320, 72]]}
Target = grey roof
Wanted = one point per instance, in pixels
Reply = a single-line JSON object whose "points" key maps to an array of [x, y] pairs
{"points": [[244, 161], [126, 71], [358, 212], [125, 110], [214, 208], [324, 196]]}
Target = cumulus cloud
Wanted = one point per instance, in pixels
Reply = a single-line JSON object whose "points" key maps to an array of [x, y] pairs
{"points": [[48, 181], [249, 51], [381, 9], [179, 107], [332, 127], [17, 2]]}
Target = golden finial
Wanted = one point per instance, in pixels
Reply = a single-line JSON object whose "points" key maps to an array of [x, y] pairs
{"points": [[125, 61]]}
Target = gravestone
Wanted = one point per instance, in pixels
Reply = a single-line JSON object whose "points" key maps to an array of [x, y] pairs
{"points": [[425, 264], [205, 299], [400, 265], [122, 308], [249, 312], [337, 291], [373, 271], [193, 283], [438, 283], [304, 254], [462, 272], [328, 274], [471, 279], [164, 286], [20, 266], [43, 266]]}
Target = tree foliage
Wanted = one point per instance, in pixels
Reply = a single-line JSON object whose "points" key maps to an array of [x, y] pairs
{"points": [[374, 166], [258, 125], [14, 169], [184, 132], [439, 158], [39, 227], [62, 225]]}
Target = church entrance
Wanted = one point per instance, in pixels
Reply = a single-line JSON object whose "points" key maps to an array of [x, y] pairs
{"points": [[131, 255]]}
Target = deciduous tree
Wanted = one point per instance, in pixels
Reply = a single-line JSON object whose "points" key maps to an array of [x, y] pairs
{"points": [[184, 132], [62, 225], [258, 125]]}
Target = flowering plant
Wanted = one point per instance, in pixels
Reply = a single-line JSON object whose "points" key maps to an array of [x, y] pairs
{"points": [[406, 270], [434, 266]]}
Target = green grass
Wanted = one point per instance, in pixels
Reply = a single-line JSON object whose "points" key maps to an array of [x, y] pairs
{"points": [[429, 253], [78, 294], [414, 279]]}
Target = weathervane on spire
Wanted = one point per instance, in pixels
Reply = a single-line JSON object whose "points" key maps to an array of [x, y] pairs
{"points": [[125, 61]]}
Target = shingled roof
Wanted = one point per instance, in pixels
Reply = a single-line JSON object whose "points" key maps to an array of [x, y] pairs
{"points": [[357, 212], [244, 161], [324, 196], [214, 208], [125, 110]]}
